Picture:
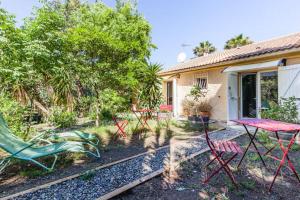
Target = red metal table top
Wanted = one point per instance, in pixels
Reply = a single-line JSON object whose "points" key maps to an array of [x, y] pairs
{"points": [[269, 125], [143, 110]]}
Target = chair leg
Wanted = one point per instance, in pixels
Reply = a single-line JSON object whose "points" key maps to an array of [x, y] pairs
{"points": [[220, 155], [224, 166], [54, 162], [229, 172], [97, 154], [3, 164], [44, 166]]}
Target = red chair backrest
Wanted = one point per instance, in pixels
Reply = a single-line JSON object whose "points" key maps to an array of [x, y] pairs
{"points": [[166, 108], [209, 142]]}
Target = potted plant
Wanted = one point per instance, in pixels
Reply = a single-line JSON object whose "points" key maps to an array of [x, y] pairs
{"points": [[188, 108], [200, 106], [203, 109]]}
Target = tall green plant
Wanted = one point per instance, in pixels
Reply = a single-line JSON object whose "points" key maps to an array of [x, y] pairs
{"points": [[13, 114], [151, 96]]}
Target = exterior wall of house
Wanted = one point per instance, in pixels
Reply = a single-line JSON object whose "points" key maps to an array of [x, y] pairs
{"points": [[293, 61], [216, 91], [218, 86]]}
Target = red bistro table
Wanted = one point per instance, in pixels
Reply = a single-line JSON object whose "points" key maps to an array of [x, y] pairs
{"points": [[272, 126], [141, 115]]}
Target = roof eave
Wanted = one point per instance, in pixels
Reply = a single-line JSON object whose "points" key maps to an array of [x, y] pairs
{"points": [[236, 62]]}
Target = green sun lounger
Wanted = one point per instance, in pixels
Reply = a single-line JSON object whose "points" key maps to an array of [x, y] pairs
{"points": [[31, 151], [75, 136]]}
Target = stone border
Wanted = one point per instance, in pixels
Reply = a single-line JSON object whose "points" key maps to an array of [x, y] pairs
{"points": [[153, 174], [79, 174]]}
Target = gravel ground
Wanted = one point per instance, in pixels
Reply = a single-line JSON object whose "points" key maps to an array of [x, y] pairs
{"points": [[253, 180], [97, 183]]}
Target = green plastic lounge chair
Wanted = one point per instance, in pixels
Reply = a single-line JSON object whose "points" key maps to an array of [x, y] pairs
{"points": [[30, 151], [75, 136]]}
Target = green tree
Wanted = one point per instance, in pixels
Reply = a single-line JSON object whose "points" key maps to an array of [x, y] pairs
{"points": [[110, 45], [204, 48], [237, 41], [69, 53], [48, 57]]}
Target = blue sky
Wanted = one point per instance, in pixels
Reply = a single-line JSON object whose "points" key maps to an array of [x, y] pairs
{"points": [[175, 22]]}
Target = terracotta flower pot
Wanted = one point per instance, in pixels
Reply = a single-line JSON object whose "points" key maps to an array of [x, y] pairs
{"points": [[204, 113]]}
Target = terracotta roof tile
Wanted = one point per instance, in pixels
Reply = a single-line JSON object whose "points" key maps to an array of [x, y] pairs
{"points": [[256, 49]]}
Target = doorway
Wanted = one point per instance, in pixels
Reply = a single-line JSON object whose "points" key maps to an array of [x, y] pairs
{"points": [[248, 95], [257, 92], [169, 93]]}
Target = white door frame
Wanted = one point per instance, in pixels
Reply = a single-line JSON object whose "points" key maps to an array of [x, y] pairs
{"points": [[241, 92], [258, 91]]}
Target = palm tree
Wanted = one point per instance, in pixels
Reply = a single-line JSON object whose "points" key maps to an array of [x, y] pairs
{"points": [[204, 48], [151, 95], [237, 41]]}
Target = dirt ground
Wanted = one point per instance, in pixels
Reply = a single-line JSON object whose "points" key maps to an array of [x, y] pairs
{"points": [[20, 176], [252, 177]]}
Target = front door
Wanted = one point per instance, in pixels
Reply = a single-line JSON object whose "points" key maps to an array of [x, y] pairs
{"points": [[170, 93], [248, 95]]}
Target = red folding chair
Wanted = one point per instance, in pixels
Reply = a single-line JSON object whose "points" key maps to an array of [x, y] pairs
{"points": [[218, 150], [121, 125]]}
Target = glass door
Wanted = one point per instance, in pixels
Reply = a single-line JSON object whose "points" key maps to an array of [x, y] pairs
{"points": [[248, 95], [268, 89]]}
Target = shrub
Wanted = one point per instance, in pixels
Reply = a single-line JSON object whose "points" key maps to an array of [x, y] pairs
{"points": [[111, 103], [203, 106], [197, 93], [285, 111], [13, 114], [192, 107], [83, 105], [62, 118]]}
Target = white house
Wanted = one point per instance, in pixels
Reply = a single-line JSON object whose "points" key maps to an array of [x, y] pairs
{"points": [[241, 81]]}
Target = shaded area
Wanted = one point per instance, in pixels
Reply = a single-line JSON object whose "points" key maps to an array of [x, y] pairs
{"points": [[253, 180]]}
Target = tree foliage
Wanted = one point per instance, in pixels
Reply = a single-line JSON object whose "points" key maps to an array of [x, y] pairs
{"points": [[150, 92], [204, 48], [68, 52], [237, 41]]}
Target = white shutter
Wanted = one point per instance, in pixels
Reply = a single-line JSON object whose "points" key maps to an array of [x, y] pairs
{"points": [[289, 82], [232, 96]]}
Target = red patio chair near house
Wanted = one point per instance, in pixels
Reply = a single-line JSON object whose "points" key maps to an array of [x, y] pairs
{"points": [[218, 150], [121, 125]]}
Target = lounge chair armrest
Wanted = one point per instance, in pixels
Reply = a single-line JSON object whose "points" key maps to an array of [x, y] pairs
{"points": [[41, 136], [34, 141]]}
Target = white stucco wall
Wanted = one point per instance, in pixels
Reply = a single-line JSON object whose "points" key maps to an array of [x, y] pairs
{"points": [[217, 83]]}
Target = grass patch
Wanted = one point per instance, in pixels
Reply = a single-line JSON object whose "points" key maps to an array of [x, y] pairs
{"points": [[87, 176], [295, 147], [33, 173], [263, 137], [253, 157], [248, 184]]}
